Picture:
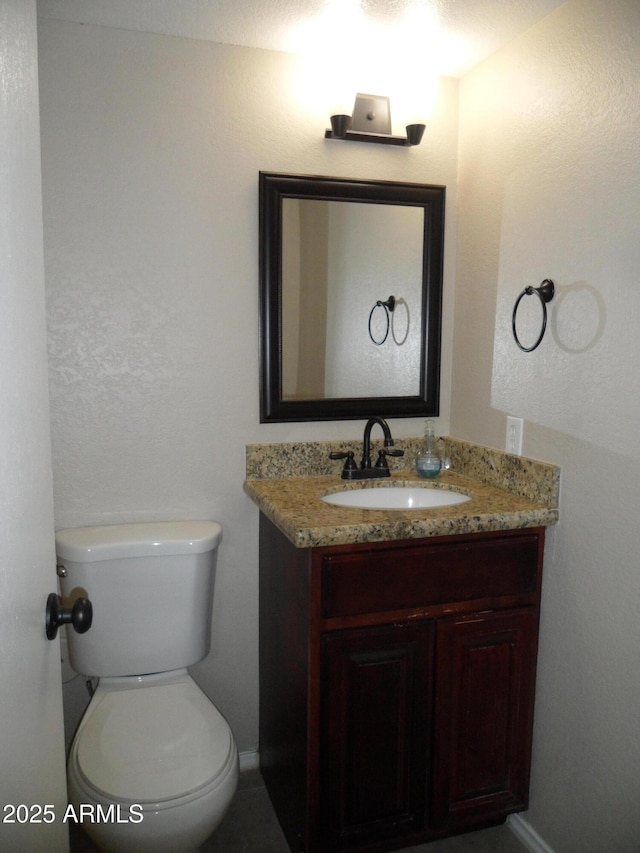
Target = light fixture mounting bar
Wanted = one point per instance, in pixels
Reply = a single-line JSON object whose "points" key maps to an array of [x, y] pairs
{"points": [[361, 136]]}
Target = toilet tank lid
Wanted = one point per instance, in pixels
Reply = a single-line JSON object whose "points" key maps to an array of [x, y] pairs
{"points": [[119, 541]]}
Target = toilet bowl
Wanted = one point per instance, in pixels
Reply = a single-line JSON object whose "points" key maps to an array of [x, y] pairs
{"points": [[153, 766], [136, 798]]}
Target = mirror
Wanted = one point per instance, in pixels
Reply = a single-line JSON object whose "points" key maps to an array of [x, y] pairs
{"points": [[350, 298]]}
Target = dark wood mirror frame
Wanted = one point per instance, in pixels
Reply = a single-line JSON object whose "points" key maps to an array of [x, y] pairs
{"points": [[273, 188]]}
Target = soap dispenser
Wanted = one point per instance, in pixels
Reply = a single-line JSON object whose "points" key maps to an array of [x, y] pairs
{"points": [[428, 462]]}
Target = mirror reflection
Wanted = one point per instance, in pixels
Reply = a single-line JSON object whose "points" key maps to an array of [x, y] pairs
{"points": [[340, 263], [350, 297]]}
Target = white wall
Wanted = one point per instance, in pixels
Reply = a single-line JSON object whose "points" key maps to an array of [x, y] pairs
{"points": [[549, 187], [151, 148]]}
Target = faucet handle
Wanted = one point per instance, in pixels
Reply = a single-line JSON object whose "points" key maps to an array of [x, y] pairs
{"points": [[382, 457], [350, 463]]}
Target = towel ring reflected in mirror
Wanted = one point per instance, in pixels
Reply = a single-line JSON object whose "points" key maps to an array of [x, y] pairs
{"points": [[388, 307]]}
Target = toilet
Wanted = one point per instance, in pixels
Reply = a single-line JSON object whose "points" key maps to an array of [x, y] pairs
{"points": [[153, 765]]}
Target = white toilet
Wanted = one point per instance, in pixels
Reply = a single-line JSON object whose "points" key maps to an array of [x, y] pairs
{"points": [[153, 766]]}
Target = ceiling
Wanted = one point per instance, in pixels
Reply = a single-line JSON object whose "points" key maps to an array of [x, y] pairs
{"points": [[460, 33]]}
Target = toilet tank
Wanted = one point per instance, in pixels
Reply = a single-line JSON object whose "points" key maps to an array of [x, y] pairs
{"points": [[151, 587]]}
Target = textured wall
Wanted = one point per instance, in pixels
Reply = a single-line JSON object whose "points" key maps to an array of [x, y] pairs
{"points": [[549, 187], [151, 148]]}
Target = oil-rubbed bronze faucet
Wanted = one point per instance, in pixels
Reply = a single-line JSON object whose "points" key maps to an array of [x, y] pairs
{"points": [[350, 471]]}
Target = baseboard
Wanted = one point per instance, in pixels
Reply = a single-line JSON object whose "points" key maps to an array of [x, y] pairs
{"points": [[249, 760], [527, 835]]}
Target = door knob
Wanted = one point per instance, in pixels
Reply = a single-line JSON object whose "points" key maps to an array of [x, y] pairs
{"points": [[80, 615]]}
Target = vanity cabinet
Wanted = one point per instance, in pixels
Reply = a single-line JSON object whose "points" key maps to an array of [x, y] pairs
{"points": [[396, 685]]}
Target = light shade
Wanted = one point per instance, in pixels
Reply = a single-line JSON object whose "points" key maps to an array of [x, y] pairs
{"points": [[415, 132]]}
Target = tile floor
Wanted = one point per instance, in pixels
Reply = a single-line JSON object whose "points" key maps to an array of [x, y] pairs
{"points": [[251, 827]]}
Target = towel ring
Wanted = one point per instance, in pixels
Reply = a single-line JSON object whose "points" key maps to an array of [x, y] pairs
{"points": [[388, 306], [545, 294]]}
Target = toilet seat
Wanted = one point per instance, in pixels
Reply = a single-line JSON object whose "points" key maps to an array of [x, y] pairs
{"points": [[153, 745]]}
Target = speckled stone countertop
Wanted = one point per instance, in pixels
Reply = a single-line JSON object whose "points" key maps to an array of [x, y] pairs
{"points": [[287, 481]]}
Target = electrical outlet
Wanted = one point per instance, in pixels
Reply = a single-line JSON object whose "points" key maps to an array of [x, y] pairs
{"points": [[513, 442]]}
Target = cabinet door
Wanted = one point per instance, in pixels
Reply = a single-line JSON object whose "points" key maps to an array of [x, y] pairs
{"points": [[485, 677], [375, 733]]}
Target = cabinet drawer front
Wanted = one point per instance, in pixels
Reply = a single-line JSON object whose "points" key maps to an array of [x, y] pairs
{"points": [[396, 577]]}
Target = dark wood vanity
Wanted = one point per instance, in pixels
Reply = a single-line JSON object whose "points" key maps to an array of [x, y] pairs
{"points": [[397, 685], [397, 648]]}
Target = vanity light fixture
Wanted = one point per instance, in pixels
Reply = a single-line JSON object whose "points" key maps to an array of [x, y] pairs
{"points": [[371, 122]]}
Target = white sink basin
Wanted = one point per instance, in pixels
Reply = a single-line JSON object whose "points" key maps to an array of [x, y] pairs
{"points": [[396, 497]]}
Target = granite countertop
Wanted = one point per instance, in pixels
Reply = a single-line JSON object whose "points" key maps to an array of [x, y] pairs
{"points": [[287, 481]]}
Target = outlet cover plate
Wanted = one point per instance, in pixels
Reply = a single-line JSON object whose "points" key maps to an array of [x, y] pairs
{"points": [[513, 443]]}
